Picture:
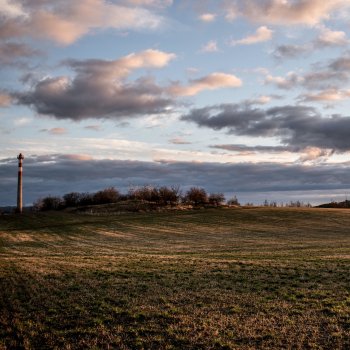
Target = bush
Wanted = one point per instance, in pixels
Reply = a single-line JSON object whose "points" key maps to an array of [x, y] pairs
{"points": [[108, 195], [145, 193], [233, 201], [196, 196], [169, 195], [86, 199], [48, 203], [72, 199], [216, 199]]}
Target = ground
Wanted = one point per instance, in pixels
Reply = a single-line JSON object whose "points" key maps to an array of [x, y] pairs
{"points": [[240, 278]]}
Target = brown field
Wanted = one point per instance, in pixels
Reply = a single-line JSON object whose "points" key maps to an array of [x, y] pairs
{"points": [[243, 278]]}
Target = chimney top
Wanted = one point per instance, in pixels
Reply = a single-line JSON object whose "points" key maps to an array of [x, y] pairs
{"points": [[20, 156]]}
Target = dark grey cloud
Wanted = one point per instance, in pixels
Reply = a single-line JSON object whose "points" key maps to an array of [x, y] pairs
{"points": [[341, 64], [283, 52], [327, 38], [84, 98], [100, 89], [333, 74], [15, 54], [295, 126], [59, 174]]}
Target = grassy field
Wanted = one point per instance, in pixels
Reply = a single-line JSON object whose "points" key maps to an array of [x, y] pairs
{"points": [[256, 278]]}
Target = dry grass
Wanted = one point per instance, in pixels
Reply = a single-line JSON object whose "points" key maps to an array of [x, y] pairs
{"points": [[209, 279]]}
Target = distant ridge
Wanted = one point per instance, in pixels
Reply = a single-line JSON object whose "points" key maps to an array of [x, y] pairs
{"points": [[344, 204]]}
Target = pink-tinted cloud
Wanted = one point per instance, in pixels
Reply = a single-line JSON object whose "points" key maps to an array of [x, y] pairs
{"points": [[207, 17], [179, 141], [330, 95], [65, 21], [262, 34], [55, 131], [328, 37], [285, 12], [12, 53], [212, 81], [5, 99]]}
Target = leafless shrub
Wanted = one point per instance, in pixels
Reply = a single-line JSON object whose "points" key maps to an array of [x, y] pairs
{"points": [[86, 199], [216, 199], [196, 196], [49, 203], [169, 196], [108, 195], [145, 193], [72, 199], [233, 201]]}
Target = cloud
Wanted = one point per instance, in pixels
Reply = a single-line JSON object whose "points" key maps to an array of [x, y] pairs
{"points": [[99, 89], [55, 131], [290, 81], [297, 126], [262, 34], [283, 52], [326, 38], [210, 82], [59, 174], [122, 67], [340, 64], [285, 12], [207, 17], [66, 21], [254, 149], [22, 121], [334, 74], [151, 3], [11, 10], [331, 95], [329, 37], [179, 141], [315, 153], [93, 127], [5, 99], [211, 46], [11, 53], [261, 100], [307, 154]]}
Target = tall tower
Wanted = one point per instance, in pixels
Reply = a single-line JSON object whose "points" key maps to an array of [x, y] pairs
{"points": [[19, 188]]}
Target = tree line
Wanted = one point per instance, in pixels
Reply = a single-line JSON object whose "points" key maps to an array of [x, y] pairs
{"points": [[161, 196]]}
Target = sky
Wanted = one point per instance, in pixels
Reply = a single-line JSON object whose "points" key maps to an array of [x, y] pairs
{"points": [[245, 97]]}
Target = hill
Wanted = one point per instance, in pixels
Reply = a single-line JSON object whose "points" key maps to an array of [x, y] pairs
{"points": [[243, 278], [344, 204]]}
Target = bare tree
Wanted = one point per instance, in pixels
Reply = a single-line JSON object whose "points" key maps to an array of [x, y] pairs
{"points": [[196, 196], [216, 199]]}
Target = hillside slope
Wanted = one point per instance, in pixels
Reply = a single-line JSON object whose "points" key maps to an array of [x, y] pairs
{"points": [[206, 279]]}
